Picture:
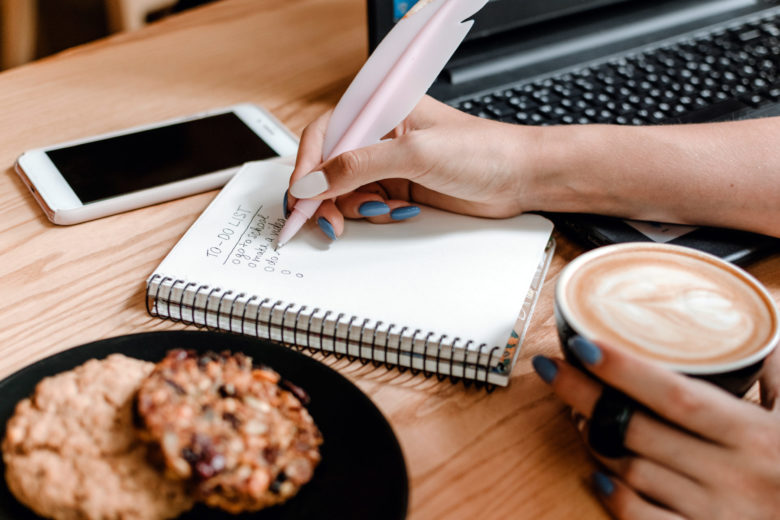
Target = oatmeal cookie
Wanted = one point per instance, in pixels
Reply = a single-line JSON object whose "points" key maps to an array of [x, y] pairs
{"points": [[71, 452], [229, 428]]}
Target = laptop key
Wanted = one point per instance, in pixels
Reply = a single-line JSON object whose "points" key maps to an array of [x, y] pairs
{"points": [[658, 117], [546, 110], [749, 36], [713, 112], [771, 29], [754, 101], [547, 99], [500, 109]]}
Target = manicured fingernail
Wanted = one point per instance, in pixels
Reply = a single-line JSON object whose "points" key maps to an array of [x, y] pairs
{"points": [[603, 483], [588, 352], [284, 205], [373, 208], [404, 212], [326, 227], [309, 186], [545, 367]]}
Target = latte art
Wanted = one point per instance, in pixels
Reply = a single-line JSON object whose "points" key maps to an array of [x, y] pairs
{"points": [[678, 317], [673, 307]]}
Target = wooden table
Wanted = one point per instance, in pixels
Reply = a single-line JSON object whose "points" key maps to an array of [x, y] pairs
{"points": [[509, 454]]}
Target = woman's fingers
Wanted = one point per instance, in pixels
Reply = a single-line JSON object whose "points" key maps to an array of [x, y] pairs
{"points": [[310, 147], [671, 447], [645, 435], [770, 382], [329, 219], [572, 386], [309, 153], [658, 483], [626, 504], [394, 158], [374, 208], [695, 405], [359, 204], [427, 113]]}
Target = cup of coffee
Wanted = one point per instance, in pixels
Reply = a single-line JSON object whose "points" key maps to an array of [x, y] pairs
{"points": [[684, 309]]}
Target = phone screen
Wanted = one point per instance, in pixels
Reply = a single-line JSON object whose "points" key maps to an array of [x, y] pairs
{"points": [[123, 164]]}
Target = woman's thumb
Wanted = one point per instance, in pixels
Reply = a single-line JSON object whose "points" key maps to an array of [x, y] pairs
{"points": [[345, 173]]}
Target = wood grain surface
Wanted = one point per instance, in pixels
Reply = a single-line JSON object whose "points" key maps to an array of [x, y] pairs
{"points": [[510, 454]]}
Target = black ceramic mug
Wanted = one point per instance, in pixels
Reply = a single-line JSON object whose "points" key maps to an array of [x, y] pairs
{"points": [[687, 310]]}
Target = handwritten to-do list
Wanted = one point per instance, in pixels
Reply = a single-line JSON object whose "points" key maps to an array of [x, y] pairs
{"points": [[247, 239]]}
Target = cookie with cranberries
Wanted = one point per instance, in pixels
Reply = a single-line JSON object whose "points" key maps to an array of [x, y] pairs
{"points": [[238, 433]]}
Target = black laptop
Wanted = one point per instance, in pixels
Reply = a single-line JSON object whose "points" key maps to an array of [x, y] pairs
{"points": [[628, 62]]}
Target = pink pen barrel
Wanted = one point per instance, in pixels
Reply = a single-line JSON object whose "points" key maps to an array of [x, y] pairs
{"points": [[304, 210]]}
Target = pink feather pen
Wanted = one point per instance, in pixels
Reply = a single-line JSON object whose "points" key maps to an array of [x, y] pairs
{"points": [[389, 85]]}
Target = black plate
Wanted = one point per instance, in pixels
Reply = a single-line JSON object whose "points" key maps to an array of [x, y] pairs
{"points": [[362, 473]]}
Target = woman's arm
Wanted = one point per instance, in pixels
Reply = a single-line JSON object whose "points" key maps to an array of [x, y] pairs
{"points": [[719, 174]]}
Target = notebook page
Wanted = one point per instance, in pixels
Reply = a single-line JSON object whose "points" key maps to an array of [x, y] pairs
{"points": [[439, 272]]}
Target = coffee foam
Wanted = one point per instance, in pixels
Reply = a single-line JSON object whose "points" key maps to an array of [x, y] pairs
{"points": [[675, 307]]}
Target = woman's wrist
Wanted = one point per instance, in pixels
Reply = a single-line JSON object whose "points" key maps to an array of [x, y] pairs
{"points": [[574, 171], [551, 163]]}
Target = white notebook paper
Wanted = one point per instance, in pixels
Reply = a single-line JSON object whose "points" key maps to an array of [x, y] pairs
{"points": [[440, 293]]}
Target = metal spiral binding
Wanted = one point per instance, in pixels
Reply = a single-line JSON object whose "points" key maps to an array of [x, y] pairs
{"points": [[308, 327], [372, 357], [257, 314], [425, 371], [336, 354], [401, 368], [413, 370], [439, 375], [297, 345], [322, 333], [181, 301], [219, 311], [351, 359], [284, 318], [156, 297], [387, 341], [232, 306], [363, 360], [162, 301]]}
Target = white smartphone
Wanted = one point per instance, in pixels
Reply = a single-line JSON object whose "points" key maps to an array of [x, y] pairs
{"points": [[102, 175]]}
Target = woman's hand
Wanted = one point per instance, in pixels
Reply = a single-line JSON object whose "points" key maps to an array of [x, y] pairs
{"points": [[438, 156], [713, 457]]}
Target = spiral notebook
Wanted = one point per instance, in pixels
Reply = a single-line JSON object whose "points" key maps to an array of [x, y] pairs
{"points": [[442, 294]]}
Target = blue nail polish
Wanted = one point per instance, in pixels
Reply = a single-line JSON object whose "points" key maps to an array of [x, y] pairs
{"points": [[588, 352], [284, 205], [603, 483], [404, 212], [373, 208], [326, 227], [545, 367]]}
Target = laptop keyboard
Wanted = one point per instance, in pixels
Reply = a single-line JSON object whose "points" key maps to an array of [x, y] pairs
{"points": [[722, 75]]}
